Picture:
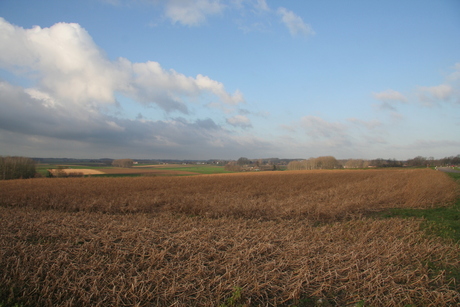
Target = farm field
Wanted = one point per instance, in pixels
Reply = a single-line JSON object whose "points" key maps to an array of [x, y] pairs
{"points": [[291, 238], [137, 170]]}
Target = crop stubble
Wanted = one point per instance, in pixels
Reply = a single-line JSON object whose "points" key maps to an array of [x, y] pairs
{"points": [[191, 240]]}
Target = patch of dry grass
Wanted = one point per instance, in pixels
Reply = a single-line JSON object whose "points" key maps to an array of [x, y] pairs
{"points": [[186, 241], [69, 171]]}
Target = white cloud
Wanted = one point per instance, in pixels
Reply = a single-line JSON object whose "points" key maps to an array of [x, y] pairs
{"points": [[370, 124], [192, 13], [261, 5], [390, 95], [112, 2], [70, 69], [442, 91], [63, 59], [433, 94], [317, 127], [72, 80], [205, 83], [195, 13], [256, 6], [239, 121], [389, 98], [448, 91], [294, 23], [454, 76], [47, 100], [29, 111]]}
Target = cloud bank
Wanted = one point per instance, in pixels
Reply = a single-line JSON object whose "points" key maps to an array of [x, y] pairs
{"points": [[64, 100], [68, 66], [73, 82], [197, 12]]}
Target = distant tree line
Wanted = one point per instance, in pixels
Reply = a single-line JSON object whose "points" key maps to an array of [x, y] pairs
{"points": [[450, 160], [356, 163], [245, 164], [423, 161], [329, 162], [123, 163], [16, 168], [325, 162], [418, 161], [385, 163]]}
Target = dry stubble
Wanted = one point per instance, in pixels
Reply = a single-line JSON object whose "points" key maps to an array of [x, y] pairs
{"points": [[191, 240]]}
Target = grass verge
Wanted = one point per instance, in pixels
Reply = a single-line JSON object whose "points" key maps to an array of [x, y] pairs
{"points": [[442, 221]]}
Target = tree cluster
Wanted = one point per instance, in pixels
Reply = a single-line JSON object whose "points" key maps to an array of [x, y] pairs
{"points": [[356, 163], [325, 162], [233, 166], [385, 163], [420, 161], [123, 163], [16, 168], [450, 160], [243, 161]]}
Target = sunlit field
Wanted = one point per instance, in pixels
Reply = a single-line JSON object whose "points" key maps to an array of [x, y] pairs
{"points": [[271, 239]]}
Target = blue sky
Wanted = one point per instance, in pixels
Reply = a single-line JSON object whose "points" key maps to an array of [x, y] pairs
{"points": [[204, 79]]}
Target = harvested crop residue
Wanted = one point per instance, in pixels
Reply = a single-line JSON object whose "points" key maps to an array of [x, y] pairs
{"points": [[268, 239], [83, 171]]}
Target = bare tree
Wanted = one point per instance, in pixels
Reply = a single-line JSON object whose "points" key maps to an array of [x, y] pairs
{"points": [[243, 161], [295, 166], [356, 163], [417, 161], [16, 168], [325, 162], [233, 166], [123, 163]]}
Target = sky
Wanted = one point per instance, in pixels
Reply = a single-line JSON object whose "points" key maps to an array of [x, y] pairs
{"points": [[223, 79]]}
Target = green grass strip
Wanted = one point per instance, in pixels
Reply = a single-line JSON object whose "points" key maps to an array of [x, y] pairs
{"points": [[442, 221]]}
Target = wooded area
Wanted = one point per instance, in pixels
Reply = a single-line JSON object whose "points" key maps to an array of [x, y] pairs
{"points": [[16, 168]]}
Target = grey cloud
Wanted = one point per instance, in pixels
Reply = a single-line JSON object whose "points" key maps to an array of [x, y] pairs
{"points": [[208, 124], [42, 126], [317, 127], [239, 121], [21, 113]]}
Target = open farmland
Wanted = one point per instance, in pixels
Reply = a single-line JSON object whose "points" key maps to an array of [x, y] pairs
{"points": [[146, 171], [278, 238], [136, 170]]}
